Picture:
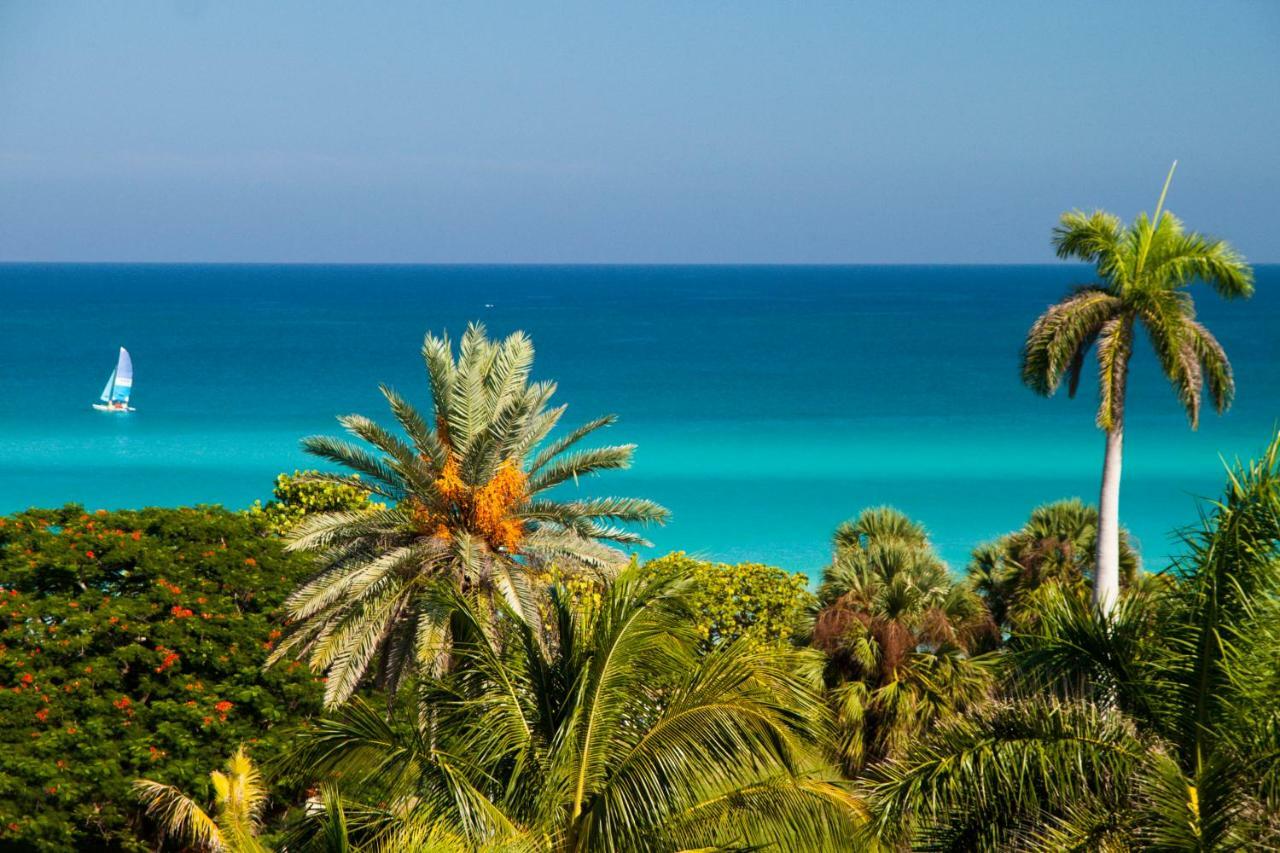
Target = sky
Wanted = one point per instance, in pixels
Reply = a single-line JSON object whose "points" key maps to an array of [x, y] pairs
{"points": [[641, 132]]}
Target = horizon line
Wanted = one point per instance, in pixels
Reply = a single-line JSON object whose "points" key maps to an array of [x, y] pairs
{"points": [[584, 264]]}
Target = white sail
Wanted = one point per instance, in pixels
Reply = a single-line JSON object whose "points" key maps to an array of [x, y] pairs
{"points": [[106, 392], [122, 378]]}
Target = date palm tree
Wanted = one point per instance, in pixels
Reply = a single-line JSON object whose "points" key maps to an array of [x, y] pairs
{"points": [[605, 728], [1143, 271], [468, 503], [900, 636]]}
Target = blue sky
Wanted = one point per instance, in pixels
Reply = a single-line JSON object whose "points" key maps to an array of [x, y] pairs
{"points": [[705, 132]]}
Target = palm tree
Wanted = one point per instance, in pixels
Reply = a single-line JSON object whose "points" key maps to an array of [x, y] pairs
{"points": [[606, 729], [1057, 546], [240, 796], [1156, 727], [468, 507], [1143, 271], [899, 635]]}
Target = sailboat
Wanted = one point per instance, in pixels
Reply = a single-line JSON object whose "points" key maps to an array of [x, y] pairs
{"points": [[115, 397]]}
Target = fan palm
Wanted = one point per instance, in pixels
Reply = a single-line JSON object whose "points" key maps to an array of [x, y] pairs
{"points": [[606, 730], [899, 635], [1143, 271], [1058, 546], [240, 798], [468, 506], [1155, 727]]}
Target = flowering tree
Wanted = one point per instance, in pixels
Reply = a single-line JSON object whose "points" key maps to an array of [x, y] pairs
{"points": [[132, 644]]}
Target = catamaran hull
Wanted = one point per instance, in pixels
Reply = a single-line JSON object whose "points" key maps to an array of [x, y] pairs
{"points": [[105, 408]]}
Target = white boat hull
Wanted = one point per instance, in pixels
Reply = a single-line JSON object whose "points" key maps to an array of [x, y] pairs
{"points": [[106, 407]]}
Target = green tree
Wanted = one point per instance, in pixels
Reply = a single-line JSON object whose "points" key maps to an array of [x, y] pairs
{"points": [[1157, 727], [900, 636], [469, 507], [132, 644], [606, 729], [1057, 546], [1143, 270], [300, 494], [730, 601]]}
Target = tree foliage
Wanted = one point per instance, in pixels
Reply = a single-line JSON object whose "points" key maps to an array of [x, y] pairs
{"points": [[1143, 270], [468, 508], [1155, 729], [900, 635], [132, 643], [305, 493], [1056, 547], [240, 798], [761, 603], [604, 730]]}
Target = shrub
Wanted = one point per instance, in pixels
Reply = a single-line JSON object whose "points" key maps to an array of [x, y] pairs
{"points": [[762, 603], [296, 497], [132, 644]]}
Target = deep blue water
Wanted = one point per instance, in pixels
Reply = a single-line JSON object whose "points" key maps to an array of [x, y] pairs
{"points": [[769, 403]]}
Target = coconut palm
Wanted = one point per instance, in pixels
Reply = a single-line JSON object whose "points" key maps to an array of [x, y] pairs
{"points": [[468, 506], [899, 635], [240, 796], [1156, 727], [1056, 546], [1143, 271], [604, 730]]}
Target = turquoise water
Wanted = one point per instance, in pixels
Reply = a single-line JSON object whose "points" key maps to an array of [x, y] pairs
{"points": [[769, 403]]}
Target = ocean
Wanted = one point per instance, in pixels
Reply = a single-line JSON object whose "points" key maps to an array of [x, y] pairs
{"points": [[768, 403]]}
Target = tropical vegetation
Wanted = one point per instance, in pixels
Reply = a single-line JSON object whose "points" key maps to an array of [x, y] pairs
{"points": [[439, 643], [1157, 727], [902, 638], [604, 729], [1056, 548], [132, 644], [1143, 273], [467, 505]]}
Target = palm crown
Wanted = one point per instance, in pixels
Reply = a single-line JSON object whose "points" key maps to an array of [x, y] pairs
{"points": [[467, 506], [605, 729], [241, 797], [1143, 272], [1056, 547], [898, 632]]}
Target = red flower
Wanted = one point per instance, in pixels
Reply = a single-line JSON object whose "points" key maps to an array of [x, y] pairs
{"points": [[249, 561], [42, 714], [89, 554], [27, 678]]}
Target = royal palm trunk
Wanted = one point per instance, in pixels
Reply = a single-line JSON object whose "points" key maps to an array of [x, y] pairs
{"points": [[1106, 583]]}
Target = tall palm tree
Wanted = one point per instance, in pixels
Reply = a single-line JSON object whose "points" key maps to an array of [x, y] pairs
{"points": [[900, 636], [1056, 546], [1156, 727], [469, 505], [1143, 270], [240, 796], [606, 729]]}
